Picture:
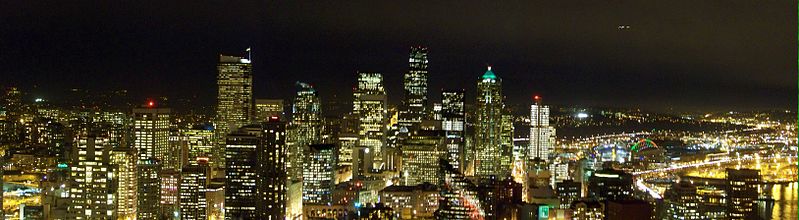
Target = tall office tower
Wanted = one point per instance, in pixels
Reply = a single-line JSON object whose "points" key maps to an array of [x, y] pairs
{"points": [[241, 174], [91, 176], [742, 186], [124, 162], [420, 153], [267, 108], [682, 202], [458, 195], [272, 188], [542, 135], [151, 132], [148, 205], [193, 183], [306, 123], [610, 185], [370, 104], [488, 126], [568, 191], [506, 142], [170, 183], [318, 174], [414, 103], [453, 122], [255, 178], [234, 100], [199, 144]]}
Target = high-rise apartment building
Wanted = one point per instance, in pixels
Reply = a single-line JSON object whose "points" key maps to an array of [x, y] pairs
{"points": [[370, 104], [319, 174], [234, 99], [414, 81], [488, 126]]}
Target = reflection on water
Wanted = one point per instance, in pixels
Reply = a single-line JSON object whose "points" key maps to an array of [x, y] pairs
{"points": [[785, 201]]}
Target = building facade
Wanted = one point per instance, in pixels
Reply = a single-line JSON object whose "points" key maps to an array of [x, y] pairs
{"points": [[414, 81], [488, 126], [234, 98]]}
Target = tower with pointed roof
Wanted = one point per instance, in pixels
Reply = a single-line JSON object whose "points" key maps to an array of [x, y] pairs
{"points": [[488, 126]]}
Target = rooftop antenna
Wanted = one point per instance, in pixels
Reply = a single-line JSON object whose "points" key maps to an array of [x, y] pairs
{"points": [[249, 54]]}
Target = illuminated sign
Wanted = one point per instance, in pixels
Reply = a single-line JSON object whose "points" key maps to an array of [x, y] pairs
{"points": [[606, 175], [543, 212]]}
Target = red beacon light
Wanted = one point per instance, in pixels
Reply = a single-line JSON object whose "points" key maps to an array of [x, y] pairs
{"points": [[150, 104], [536, 97]]}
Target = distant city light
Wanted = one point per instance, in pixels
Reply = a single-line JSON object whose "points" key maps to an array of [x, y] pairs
{"points": [[38, 100], [582, 115]]}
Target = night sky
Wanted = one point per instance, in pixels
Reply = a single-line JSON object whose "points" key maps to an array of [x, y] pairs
{"points": [[676, 55]]}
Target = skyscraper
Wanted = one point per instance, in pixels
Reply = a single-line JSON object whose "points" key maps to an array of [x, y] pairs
{"points": [[193, 183], [318, 174], [542, 135], [370, 104], [148, 206], [306, 126], [241, 174], [91, 176], [151, 132], [255, 178], [124, 162], [453, 122], [234, 100], [414, 103], [420, 153], [488, 126], [272, 176]]}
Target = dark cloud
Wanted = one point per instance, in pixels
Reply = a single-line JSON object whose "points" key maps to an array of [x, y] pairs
{"points": [[676, 54]]}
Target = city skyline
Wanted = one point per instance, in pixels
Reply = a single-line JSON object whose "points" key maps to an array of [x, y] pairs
{"points": [[585, 58], [530, 110]]}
